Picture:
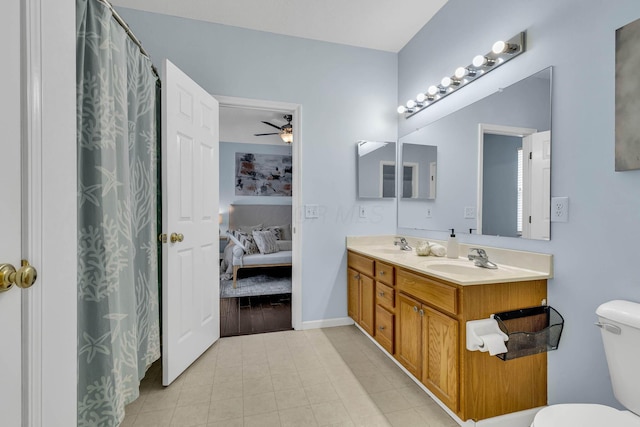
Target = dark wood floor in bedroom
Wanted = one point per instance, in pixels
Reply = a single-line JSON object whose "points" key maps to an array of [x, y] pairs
{"points": [[255, 315]]}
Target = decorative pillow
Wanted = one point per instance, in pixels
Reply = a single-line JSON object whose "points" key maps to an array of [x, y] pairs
{"points": [[266, 241], [276, 230], [246, 239], [286, 232]]}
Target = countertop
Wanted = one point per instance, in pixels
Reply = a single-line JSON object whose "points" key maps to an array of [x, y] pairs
{"points": [[513, 266]]}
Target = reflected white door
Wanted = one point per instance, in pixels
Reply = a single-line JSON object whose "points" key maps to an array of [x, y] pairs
{"points": [[190, 199], [10, 216], [540, 185]]}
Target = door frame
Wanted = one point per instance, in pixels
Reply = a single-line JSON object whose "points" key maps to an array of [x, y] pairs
{"points": [[487, 128], [296, 201], [49, 212]]}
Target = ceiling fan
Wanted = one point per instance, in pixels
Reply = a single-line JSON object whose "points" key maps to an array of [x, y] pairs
{"points": [[286, 131]]}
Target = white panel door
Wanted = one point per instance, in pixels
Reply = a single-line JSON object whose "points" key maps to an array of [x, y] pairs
{"points": [[190, 199], [540, 196], [10, 216]]}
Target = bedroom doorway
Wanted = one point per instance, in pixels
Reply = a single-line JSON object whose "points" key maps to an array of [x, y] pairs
{"points": [[260, 199]]}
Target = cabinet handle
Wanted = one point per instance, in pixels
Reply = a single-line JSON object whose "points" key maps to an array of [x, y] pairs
{"points": [[381, 328], [415, 308], [381, 294], [357, 277], [381, 273], [421, 313]]}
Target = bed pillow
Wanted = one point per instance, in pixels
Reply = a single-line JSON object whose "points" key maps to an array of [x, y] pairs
{"points": [[249, 228], [286, 232], [246, 240], [266, 241], [276, 230]]}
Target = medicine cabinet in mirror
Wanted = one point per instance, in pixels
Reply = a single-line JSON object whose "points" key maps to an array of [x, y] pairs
{"points": [[376, 169], [493, 167]]}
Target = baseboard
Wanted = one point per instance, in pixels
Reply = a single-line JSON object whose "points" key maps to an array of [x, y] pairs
{"points": [[327, 323]]}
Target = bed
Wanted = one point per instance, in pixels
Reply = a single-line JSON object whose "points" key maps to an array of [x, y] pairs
{"points": [[240, 252]]}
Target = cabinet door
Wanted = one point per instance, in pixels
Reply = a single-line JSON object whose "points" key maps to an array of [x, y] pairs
{"points": [[409, 334], [367, 303], [440, 369], [353, 285]]}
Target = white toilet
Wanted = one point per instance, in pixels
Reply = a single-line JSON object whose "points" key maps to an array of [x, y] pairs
{"points": [[620, 326]]}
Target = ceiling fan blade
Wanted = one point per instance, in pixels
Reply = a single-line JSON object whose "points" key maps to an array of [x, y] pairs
{"points": [[263, 134], [270, 124]]}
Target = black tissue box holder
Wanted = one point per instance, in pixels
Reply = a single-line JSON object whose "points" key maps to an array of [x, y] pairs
{"points": [[531, 330]]}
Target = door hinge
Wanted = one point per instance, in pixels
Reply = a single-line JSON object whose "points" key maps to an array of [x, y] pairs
{"points": [[162, 238], [530, 155], [529, 219]]}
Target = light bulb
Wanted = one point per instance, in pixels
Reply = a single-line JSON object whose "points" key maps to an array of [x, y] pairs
{"points": [[479, 61], [411, 104], [432, 90], [499, 47], [402, 109], [445, 82], [421, 97], [461, 72]]}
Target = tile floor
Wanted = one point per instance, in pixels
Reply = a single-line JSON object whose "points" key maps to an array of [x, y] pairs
{"points": [[321, 377]]}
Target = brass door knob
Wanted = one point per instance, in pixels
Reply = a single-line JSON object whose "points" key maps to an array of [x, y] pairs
{"points": [[176, 237], [23, 278]]}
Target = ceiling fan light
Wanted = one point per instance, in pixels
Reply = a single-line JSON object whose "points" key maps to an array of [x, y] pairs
{"points": [[287, 136]]}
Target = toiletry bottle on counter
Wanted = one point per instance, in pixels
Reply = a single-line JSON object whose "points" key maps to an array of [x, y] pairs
{"points": [[452, 245]]}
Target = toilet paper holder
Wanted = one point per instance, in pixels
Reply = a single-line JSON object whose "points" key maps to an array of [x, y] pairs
{"points": [[485, 335]]}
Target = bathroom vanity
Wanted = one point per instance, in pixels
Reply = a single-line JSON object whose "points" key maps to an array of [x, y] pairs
{"points": [[416, 308]]}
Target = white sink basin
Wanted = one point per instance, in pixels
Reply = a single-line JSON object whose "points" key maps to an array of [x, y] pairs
{"points": [[455, 268]]}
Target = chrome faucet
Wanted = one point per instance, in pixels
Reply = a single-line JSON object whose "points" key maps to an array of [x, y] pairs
{"points": [[402, 242], [480, 258]]}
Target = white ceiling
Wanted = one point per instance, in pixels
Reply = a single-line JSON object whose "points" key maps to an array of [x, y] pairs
{"points": [[240, 124], [376, 24]]}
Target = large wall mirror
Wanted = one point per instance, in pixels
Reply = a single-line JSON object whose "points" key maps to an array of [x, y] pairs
{"points": [[376, 169], [493, 167]]}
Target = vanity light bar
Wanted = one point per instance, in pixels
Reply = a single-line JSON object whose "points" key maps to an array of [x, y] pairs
{"points": [[501, 52]]}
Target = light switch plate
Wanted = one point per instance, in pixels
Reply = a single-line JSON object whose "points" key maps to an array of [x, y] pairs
{"points": [[311, 211], [469, 212], [363, 211]]}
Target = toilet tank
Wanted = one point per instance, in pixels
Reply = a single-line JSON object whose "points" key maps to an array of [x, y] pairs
{"points": [[620, 326]]}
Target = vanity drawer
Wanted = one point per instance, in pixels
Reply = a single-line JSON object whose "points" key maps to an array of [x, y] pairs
{"points": [[385, 296], [438, 295], [361, 263], [384, 328], [384, 273]]}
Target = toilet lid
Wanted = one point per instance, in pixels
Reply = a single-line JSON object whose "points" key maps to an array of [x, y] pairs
{"points": [[584, 415]]}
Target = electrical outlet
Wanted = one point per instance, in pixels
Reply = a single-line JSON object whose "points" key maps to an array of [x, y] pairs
{"points": [[363, 211], [469, 212], [559, 209], [429, 213], [311, 211]]}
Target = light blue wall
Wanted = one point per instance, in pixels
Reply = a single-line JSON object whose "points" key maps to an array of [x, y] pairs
{"points": [[228, 196], [347, 94], [595, 253]]}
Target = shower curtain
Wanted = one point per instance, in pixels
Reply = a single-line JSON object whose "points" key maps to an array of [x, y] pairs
{"points": [[118, 301]]}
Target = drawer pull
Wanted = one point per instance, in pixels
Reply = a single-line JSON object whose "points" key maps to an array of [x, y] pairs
{"points": [[381, 327], [421, 313], [415, 308], [381, 273], [381, 294]]}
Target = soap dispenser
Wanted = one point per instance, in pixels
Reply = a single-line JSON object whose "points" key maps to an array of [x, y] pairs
{"points": [[452, 245]]}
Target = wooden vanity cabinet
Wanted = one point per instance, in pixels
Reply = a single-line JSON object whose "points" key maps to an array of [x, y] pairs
{"points": [[421, 321], [427, 345], [361, 291]]}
